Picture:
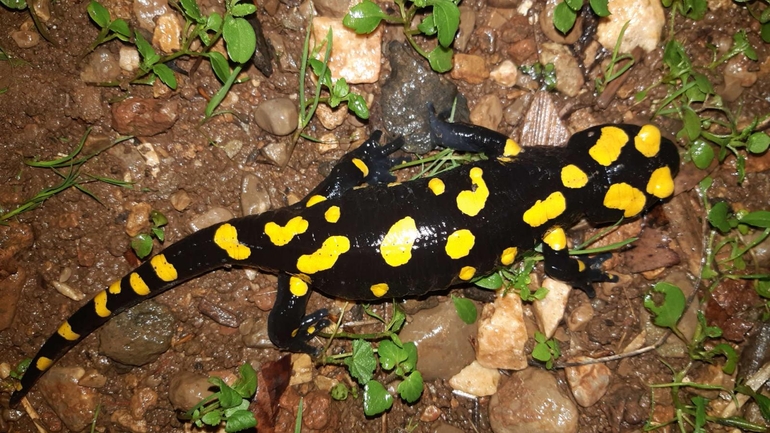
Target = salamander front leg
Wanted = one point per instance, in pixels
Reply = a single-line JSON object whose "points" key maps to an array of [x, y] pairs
{"points": [[288, 326], [580, 273], [471, 138]]}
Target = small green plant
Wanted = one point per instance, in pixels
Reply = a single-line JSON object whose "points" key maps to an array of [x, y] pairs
{"points": [[466, 309], [229, 405], [442, 22], [546, 350], [761, 14], [516, 279], [565, 13], [544, 74], [395, 356], [615, 68], [142, 243], [692, 9]]}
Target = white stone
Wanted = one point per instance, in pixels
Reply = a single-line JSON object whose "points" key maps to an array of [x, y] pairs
{"points": [[301, 369], [129, 59], [588, 382], [505, 74], [476, 379], [646, 20], [355, 57], [502, 334], [550, 310], [168, 31]]}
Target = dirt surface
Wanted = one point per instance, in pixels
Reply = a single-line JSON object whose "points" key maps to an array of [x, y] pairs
{"points": [[74, 239]]}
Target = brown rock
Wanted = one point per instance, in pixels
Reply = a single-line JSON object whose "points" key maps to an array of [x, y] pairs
{"points": [[144, 117], [469, 68]]}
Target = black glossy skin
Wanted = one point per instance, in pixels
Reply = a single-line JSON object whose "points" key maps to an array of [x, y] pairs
{"points": [[367, 214]]}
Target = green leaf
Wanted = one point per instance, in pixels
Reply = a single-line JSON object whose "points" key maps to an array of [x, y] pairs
{"points": [[600, 7], [390, 355], [760, 218], [246, 386], [700, 413], [691, 123], [410, 389], [190, 8], [668, 313], [96, 11], [762, 288], [362, 363], [318, 68], [411, 357], [702, 154], [695, 9], [357, 104], [339, 392], [446, 16], [758, 142], [149, 57], [729, 353], [219, 65], [427, 26], [165, 74], [364, 17], [240, 420], [212, 418], [376, 398], [564, 17], [541, 352], [214, 22], [440, 59], [765, 32], [491, 282], [227, 396], [718, 216], [575, 5], [121, 30], [398, 319], [466, 309], [764, 405], [243, 9], [142, 245], [158, 233], [742, 44], [240, 39]]}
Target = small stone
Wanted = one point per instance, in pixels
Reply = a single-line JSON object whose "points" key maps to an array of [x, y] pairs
{"points": [[488, 112], [187, 389], [505, 74], [93, 379], [588, 382], [550, 310], [502, 334], [167, 33], [180, 200], [72, 403], [331, 118], [218, 314], [645, 19], [10, 293], [467, 24], [26, 37], [276, 152], [151, 157], [579, 317], [138, 219], [332, 8], [476, 379], [569, 77], [430, 413], [42, 9], [143, 400], [232, 147], [277, 116], [355, 57], [102, 66], [126, 422], [301, 369], [214, 215], [469, 68], [254, 196], [319, 414], [139, 335], [144, 117], [146, 11]]}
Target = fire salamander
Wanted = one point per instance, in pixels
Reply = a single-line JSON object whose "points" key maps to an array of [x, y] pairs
{"points": [[395, 240]]}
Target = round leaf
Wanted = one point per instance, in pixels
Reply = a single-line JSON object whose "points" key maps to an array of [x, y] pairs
{"points": [[142, 245], [600, 7], [758, 142], [440, 59], [96, 11], [239, 39], [702, 154], [243, 9], [364, 17], [411, 388], [466, 309], [357, 104], [376, 398], [668, 313], [564, 17]]}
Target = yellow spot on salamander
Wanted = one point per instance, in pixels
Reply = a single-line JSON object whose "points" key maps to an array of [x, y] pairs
{"points": [[311, 330], [163, 269], [295, 332], [647, 141], [281, 236], [297, 286], [573, 177], [361, 166], [509, 256], [608, 146], [314, 200], [661, 183], [332, 214], [379, 290], [114, 288], [325, 257], [470, 202], [459, 243], [396, 246], [65, 330], [436, 186], [581, 266], [392, 184], [100, 304], [545, 210], [555, 238], [625, 197], [511, 148], [467, 272], [226, 237], [43, 363], [138, 285]]}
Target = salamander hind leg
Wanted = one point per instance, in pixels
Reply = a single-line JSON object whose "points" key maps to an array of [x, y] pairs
{"points": [[288, 326], [471, 138]]}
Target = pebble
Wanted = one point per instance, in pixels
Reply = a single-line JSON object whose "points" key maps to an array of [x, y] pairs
{"points": [[277, 116], [144, 117], [167, 33], [476, 379], [736, 76], [430, 413], [569, 77], [26, 36], [332, 8], [143, 400], [443, 427], [488, 112], [212, 216], [646, 20], [502, 334], [126, 422], [469, 68], [129, 58], [139, 335], [180, 200], [467, 24], [254, 196], [550, 310], [66, 290], [505, 74], [254, 333], [301, 369], [218, 314], [72, 403], [232, 147], [151, 157], [588, 382], [331, 118], [319, 414], [357, 58], [503, 4], [550, 31], [186, 389], [531, 401], [138, 219], [42, 9], [146, 11], [101, 66], [276, 152], [579, 317], [436, 332], [10, 293], [93, 379]]}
